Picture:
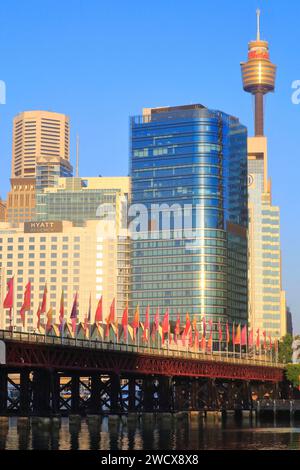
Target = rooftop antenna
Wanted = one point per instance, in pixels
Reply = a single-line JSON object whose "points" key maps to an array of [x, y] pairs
{"points": [[77, 156], [258, 24]]}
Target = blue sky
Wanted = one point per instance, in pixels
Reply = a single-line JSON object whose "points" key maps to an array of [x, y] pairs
{"points": [[102, 61]]}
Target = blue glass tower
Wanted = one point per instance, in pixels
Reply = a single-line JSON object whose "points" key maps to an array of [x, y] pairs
{"points": [[191, 162]]}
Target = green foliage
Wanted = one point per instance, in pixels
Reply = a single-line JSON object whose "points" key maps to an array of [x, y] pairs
{"points": [[285, 351], [292, 372]]}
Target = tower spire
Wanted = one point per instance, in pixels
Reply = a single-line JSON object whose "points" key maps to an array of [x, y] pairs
{"points": [[258, 24]]}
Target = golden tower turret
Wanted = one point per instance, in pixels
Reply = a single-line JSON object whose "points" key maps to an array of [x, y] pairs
{"points": [[258, 75]]}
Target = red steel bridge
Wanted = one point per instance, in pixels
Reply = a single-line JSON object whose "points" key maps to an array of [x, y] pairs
{"points": [[47, 375]]}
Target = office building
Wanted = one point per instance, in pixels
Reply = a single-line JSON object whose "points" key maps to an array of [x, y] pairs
{"points": [[40, 155], [79, 199], [267, 304], [195, 160]]}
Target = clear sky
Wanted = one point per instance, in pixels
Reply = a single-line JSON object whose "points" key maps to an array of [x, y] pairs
{"points": [[102, 61]]}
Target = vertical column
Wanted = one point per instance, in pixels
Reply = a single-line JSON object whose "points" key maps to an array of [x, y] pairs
{"points": [[25, 392], [165, 398], [148, 397], [95, 399], [75, 394], [55, 392], [131, 394], [3, 390], [259, 114], [41, 392], [212, 402], [115, 393]]}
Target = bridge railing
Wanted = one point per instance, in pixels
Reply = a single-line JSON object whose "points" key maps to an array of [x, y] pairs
{"points": [[167, 350]]}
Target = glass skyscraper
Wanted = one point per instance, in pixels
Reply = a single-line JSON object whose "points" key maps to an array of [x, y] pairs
{"points": [[195, 160]]}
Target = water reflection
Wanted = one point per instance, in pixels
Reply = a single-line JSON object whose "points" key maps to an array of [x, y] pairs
{"points": [[149, 432]]}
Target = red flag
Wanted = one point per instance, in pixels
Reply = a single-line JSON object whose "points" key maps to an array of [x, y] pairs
{"points": [[270, 342], [250, 339], [196, 340], [146, 325], [177, 326], [99, 311], [90, 309], [227, 333], [26, 303], [203, 344], [165, 325], [87, 318], [257, 339], [187, 325], [49, 320], [38, 314], [191, 338], [244, 336], [44, 301], [125, 322], [111, 317], [210, 340], [155, 327], [265, 340], [204, 326], [220, 331], [73, 315], [136, 321], [9, 299], [233, 334], [61, 309], [237, 339]]}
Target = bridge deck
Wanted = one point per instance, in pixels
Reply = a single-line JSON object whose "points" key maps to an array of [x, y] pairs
{"points": [[40, 351]]}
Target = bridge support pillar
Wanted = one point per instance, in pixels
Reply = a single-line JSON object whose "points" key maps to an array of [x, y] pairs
{"points": [[95, 399], [131, 394], [148, 394], [194, 395], [75, 394], [25, 392], [212, 395], [41, 392], [180, 394], [55, 392], [3, 390], [165, 395], [115, 393]]}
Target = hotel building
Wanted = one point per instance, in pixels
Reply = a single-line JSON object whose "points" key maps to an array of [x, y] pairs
{"points": [[194, 157], [67, 258]]}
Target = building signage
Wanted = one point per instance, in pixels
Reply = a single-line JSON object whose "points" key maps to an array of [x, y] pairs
{"points": [[43, 227]]}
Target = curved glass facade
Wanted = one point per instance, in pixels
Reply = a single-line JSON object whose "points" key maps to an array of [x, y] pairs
{"points": [[194, 161]]}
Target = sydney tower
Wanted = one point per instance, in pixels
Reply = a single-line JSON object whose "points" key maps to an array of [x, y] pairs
{"points": [[258, 76]]}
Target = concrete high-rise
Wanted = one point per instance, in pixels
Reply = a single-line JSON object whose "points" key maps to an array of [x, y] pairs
{"points": [[39, 138], [40, 155], [267, 304]]}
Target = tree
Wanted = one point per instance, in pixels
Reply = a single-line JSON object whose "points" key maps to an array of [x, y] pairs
{"points": [[292, 372], [285, 351]]}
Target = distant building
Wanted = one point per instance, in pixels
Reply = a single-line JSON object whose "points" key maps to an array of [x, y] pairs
{"points": [[289, 321], [40, 138], [40, 155], [21, 200], [3, 210], [267, 304], [78, 199]]}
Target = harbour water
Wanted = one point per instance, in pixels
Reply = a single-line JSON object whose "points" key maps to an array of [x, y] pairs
{"points": [[150, 433]]}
